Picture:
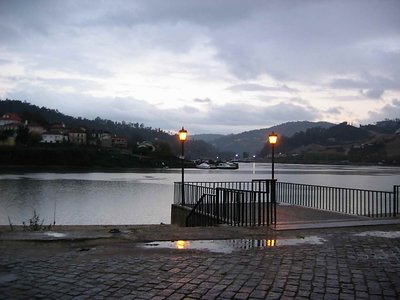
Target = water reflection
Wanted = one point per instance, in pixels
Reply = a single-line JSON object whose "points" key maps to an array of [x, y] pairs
{"points": [[144, 196], [229, 246], [271, 243], [182, 244]]}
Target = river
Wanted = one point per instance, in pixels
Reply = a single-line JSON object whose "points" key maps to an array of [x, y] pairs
{"points": [[145, 196]]}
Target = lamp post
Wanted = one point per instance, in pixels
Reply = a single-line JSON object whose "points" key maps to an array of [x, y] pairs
{"points": [[182, 135], [273, 138]]}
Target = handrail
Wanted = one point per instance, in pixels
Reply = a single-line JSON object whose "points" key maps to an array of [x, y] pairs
{"points": [[334, 187], [343, 200], [190, 215]]}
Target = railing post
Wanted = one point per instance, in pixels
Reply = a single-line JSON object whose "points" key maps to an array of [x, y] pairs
{"points": [[217, 203], [273, 201], [395, 198]]}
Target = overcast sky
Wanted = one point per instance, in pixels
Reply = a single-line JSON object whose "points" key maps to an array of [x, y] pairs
{"points": [[213, 66]]}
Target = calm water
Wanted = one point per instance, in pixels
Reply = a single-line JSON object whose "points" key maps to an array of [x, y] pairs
{"points": [[145, 196]]}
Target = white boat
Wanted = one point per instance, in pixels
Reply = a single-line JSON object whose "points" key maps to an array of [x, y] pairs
{"points": [[228, 165], [205, 165]]}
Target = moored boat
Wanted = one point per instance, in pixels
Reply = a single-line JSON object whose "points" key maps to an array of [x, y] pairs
{"points": [[205, 165], [228, 165], [220, 165]]}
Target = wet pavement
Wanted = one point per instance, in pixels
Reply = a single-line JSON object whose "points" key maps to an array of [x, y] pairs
{"points": [[309, 255], [168, 262]]}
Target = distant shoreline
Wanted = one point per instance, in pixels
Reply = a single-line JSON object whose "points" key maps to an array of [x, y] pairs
{"points": [[85, 169], [78, 169]]}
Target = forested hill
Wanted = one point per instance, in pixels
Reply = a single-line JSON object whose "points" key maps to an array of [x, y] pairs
{"points": [[45, 116], [379, 143], [254, 140]]}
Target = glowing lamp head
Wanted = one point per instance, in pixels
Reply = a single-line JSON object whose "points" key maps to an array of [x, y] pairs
{"points": [[182, 134], [273, 138]]}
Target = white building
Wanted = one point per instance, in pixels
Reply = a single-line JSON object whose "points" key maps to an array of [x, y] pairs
{"points": [[53, 138]]}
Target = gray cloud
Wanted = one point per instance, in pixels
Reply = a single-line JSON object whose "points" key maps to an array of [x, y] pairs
{"points": [[248, 87], [206, 100], [247, 114], [302, 41], [389, 111], [4, 61], [280, 38], [348, 84], [190, 109], [254, 87], [372, 87], [334, 110], [299, 100], [373, 93], [367, 81]]}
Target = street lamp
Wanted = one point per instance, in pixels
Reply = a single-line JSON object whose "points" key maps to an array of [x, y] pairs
{"points": [[273, 138], [182, 135]]}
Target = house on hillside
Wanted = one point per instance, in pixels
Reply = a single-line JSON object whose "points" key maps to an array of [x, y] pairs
{"points": [[11, 127], [100, 138], [10, 118], [35, 128], [54, 137], [120, 142], [59, 127], [10, 123], [78, 136]]}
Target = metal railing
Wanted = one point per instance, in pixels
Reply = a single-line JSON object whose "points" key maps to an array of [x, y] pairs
{"points": [[254, 202], [344, 200], [233, 203]]}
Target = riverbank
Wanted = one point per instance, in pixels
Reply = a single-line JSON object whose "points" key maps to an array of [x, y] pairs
{"points": [[65, 155], [290, 219]]}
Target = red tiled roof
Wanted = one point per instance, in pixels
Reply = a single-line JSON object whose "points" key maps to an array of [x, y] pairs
{"points": [[12, 116]]}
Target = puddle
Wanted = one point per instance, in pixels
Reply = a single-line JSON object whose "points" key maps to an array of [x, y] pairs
{"points": [[229, 246], [55, 234], [311, 240], [383, 234]]}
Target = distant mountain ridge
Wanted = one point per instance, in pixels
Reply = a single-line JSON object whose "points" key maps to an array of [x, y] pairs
{"points": [[253, 141], [208, 138]]}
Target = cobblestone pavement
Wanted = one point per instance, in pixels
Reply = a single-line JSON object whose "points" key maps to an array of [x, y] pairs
{"points": [[351, 263]]}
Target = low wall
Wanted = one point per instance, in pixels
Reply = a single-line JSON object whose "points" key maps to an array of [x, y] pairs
{"points": [[179, 215]]}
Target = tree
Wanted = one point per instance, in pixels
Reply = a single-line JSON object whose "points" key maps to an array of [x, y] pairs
{"points": [[23, 136]]}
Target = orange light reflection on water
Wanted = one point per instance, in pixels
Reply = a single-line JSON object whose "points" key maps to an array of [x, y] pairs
{"points": [[182, 244]]}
